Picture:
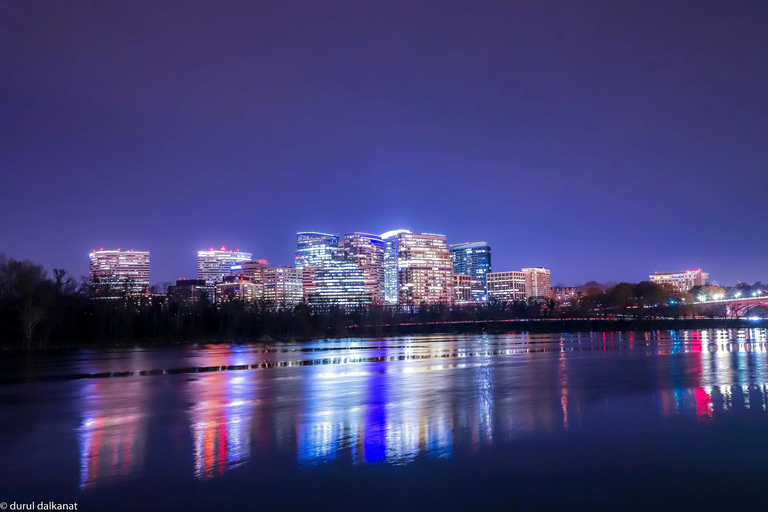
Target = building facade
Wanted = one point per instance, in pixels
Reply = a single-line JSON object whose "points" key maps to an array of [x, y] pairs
{"points": [[253, 271], [563, 293], [314, 248], [473, 259], [214, 265], [367, 251], [462, 290], [283, 286], [340, 283], [187, 291], [506, 286], [537, 281], [681, 281], [390, 265], [424, 270], [116, 273], [237, 289]]}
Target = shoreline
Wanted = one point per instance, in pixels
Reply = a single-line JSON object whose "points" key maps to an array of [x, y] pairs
{"points": [[496, 327]]}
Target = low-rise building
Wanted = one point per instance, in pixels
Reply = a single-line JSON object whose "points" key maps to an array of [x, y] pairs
{"points": [[563, 293], [681, 281], [187, 291], [235, 288], [462, 289]]}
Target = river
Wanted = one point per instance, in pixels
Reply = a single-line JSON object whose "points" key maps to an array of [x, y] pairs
{"points": [[614, 420]]}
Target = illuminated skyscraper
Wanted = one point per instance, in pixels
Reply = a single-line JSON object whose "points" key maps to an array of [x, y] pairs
{"points": [[367, 251], [424, 270], [213, 265], [473, 259], [313, 248], [116, 273], [390, 264]]}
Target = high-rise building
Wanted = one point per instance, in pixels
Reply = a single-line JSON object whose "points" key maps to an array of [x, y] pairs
{"points": [[213, 265], [536, 282], [681, 281], [283, 286], [116, 273], [390, 264], [506, 286], [462, 289], [473, 259], [340, 283], [367, 251], [424, 270], [313, 248]]}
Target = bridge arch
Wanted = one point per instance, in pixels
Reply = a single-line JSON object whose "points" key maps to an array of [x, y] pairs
{"points": [[745, 309]]}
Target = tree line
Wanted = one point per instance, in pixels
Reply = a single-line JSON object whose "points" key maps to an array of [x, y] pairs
{"points": [[41, 310]]}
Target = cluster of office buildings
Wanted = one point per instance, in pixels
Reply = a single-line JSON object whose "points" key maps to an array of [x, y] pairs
{"points": [[398, 268]]}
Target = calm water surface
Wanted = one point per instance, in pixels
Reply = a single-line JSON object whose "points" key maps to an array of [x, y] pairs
{"points": [[534, 422]]}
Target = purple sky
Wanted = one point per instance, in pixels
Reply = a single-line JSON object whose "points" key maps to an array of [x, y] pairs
{"points": [[604, 140]]}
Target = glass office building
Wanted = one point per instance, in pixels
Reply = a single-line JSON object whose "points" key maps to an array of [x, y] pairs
{"points": [[473, 259], [390, 264], [313, 248]]}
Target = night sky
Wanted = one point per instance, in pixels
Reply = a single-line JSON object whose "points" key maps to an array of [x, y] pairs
{"points": [[603, 140]]}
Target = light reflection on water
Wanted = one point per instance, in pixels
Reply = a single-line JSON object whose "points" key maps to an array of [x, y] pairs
{"points": [[397, 401]]}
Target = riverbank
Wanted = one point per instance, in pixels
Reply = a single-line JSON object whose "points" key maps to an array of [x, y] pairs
{"points": [[539, 326]]}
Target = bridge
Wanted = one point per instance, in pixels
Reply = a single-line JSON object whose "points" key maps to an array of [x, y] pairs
{"points": [[740, 308]]}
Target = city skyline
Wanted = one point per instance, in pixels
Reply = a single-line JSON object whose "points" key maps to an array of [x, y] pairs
{"points": [[561, 281]]}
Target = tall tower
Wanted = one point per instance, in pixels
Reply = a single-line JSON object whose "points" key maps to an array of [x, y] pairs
{"points": [[424, 270], [390, 264], [367, 251]]}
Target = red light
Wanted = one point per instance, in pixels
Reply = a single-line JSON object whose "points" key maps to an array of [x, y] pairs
{"points": [[101, 249], [223, 248], [211, 248]]}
